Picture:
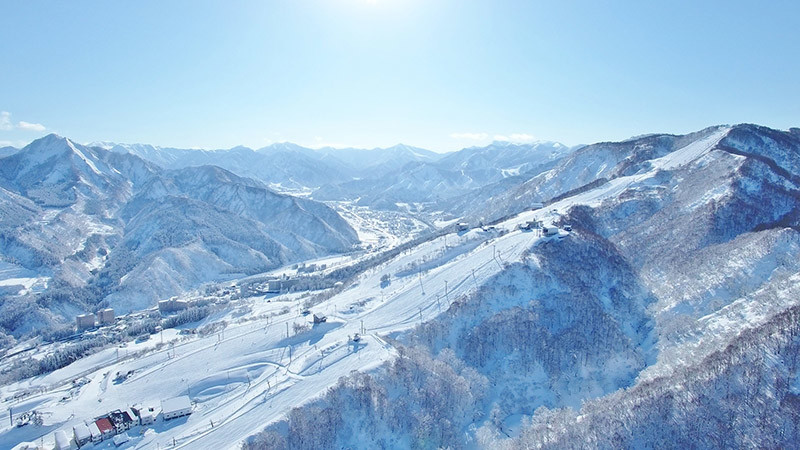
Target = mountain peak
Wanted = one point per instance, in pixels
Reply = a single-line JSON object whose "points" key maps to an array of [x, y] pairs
{"points": [[50, 138], [49, 145]]}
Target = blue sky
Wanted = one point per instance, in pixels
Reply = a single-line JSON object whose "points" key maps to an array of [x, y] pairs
{"points": [[440, 74]]}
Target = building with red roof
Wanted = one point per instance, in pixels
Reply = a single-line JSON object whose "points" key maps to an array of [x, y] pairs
{"points": [[105, 427]]}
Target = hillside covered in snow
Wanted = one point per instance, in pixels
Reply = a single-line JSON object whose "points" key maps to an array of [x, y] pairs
{"points": [[84, 227], [635, 294]]}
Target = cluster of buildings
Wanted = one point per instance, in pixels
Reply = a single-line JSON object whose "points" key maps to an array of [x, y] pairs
{"points": [[90, 320], [114, 424], [110, 426]]}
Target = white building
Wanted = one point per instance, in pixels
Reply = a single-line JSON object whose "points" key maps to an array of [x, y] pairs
{"points": [[550, 231], [82, 434], [85, 321], [134, 417], [105, 316], [176, 407], [121, 439], [146, 417], [97, 436], [64, 442]]}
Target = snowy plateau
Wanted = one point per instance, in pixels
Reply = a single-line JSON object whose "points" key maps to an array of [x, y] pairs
{"points": [[634, 294]]}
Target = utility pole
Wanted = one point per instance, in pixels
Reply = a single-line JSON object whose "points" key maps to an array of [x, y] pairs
{"points": [[287, 329], [420, 284]]}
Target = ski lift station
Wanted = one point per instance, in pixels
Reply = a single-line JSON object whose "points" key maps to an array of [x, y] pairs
{"points": [[550, 231]]}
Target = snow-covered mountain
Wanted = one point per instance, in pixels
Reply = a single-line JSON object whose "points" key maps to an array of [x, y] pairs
{"points": [[284, 165], [666, 316], [377, 162], [95, 225]]}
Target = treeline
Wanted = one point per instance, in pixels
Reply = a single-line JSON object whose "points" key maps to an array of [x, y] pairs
{"points": [[416, 401], [85, 346]]}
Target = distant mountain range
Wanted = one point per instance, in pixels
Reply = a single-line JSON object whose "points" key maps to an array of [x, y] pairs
{"points": [[379, 178], [286, 165]]}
